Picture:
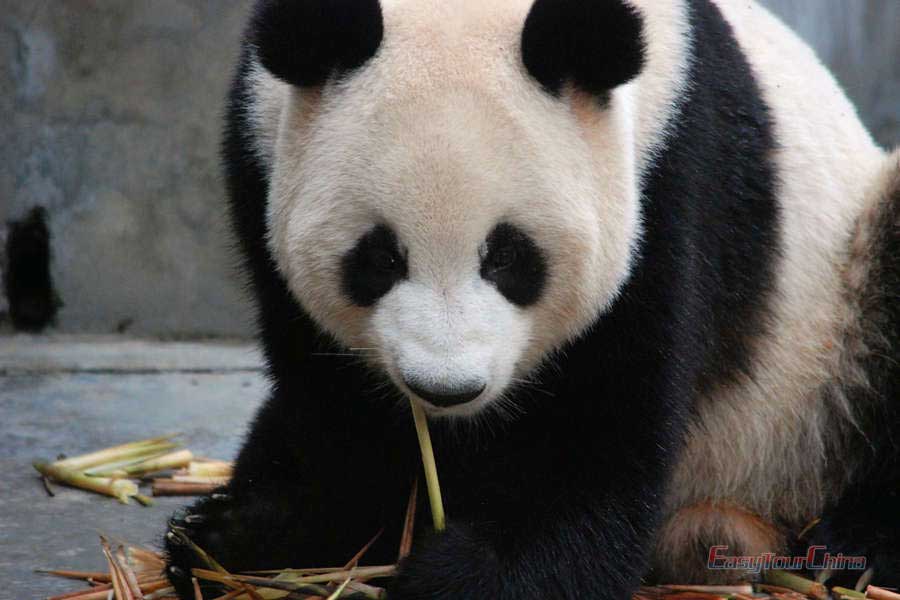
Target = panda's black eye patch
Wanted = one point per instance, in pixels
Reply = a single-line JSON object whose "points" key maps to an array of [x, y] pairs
{"points": [[515, 264], [373, 266]]}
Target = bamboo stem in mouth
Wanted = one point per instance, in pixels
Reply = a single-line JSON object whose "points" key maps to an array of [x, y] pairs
{"points": [[431, 476]]}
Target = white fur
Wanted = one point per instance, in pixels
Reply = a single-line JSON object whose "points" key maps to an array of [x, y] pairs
{"points": [[752, 437], [413, 143]]}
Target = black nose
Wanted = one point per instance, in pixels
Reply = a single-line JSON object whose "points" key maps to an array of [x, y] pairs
{"points": [[441, 395]]}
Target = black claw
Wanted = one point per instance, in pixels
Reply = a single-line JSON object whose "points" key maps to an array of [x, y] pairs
{"points": [[194, 519], [176, 571], [221, 497]]}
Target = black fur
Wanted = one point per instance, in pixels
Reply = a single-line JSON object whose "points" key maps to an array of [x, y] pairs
{"points": [[304, 42], [595, 44], [515, 264], [563, 501], [373, 266], [27, 281]]}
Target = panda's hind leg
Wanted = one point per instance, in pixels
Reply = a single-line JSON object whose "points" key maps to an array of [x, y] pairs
{"points": [[690, 534], [866, 519]]}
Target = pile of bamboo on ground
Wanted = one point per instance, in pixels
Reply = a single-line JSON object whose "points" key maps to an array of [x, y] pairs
{"points": [[133, 573], [118, 471], [779, 585], [125, 581], [136, 574]]}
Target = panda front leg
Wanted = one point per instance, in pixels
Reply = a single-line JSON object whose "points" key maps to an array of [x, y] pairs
{"points": [[592, 545], [571, 518], [304, 492]]}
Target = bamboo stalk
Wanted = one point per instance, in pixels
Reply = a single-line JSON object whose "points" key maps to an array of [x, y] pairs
{"points": [[799, 584], [198, 595], [362, 551], [879, 593], [333, 576], [167, 487], [237, 580], [80, 575], [846, 592], [369, 591], [409, 521], [210, 468], [431, 476], [166, 593], [152, 464], [696, 596], [340, 590], [130, 579], [713, 589], [120, 586], [106, 468], [202, 479], [144, 500], [117, 453], [200, 552], [99, 592], [121, 489]]}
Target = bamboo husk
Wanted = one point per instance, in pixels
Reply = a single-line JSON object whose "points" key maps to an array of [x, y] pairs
{"points": [[121, 489]]}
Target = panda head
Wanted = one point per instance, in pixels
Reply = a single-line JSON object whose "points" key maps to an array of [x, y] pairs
{"points": [[452, 184]]}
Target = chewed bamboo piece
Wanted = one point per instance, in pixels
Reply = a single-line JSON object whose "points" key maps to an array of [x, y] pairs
{"points": [[120, 489], [112, 471]]}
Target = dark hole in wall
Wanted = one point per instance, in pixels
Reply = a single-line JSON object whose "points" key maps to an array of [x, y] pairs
{"points": [[33, 302]]}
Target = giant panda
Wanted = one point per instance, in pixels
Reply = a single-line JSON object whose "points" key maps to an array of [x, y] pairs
{"points": [[636, 259]]}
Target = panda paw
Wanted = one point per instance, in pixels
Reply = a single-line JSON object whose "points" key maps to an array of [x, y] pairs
{"points": [[452, 564], [199, 526]]}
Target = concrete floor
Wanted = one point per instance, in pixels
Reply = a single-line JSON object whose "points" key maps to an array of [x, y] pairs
{"points": [[73, 395]]}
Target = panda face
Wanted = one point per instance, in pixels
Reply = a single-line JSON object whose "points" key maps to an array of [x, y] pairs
{"points": [[452, 218]]}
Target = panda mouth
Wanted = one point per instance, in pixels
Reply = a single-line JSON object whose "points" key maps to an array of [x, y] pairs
{"points": [[443, 396]]}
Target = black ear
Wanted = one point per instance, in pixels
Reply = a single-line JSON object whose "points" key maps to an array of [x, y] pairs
{"points": [[304, 42], [595, 44]]}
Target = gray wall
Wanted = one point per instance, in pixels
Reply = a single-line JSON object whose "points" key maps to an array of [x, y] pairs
{"points": [[111, 116], [111, 119]]}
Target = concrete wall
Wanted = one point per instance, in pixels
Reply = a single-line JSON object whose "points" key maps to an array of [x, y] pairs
{"points": [[111, 120], [111, 117]]}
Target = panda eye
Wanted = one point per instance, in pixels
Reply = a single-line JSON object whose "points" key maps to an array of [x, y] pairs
{"points": [[514, 264], [385, 260], [373, 266], [502, 258]]}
